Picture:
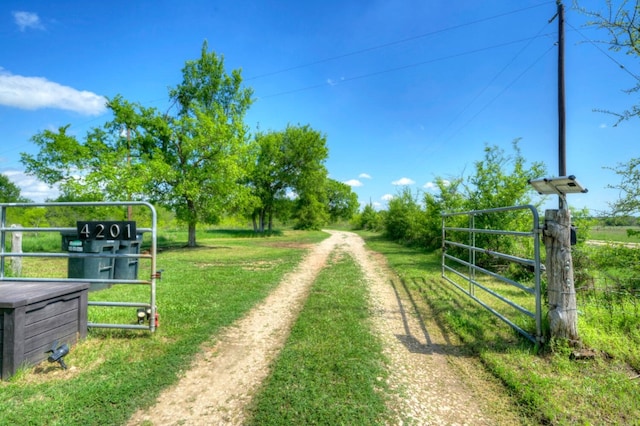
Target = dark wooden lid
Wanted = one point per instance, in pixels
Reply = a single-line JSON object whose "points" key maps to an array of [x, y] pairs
{"points": [[14, 294]]}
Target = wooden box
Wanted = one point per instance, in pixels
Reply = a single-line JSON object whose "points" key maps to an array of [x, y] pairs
{"points": [[34, 315]]}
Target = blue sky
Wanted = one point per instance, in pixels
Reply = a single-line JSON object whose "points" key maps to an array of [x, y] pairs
{"points": [[404, 91]]}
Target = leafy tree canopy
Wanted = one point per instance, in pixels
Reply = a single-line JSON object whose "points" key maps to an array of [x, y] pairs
{"points": [[189, 161], [290, 163]]}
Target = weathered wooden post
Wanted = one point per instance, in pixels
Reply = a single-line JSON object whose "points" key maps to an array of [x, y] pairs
{"points": [[16, 247], [563, 314], [563, 318]]}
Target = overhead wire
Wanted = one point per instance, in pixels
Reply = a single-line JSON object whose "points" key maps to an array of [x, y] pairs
{"points": [[504, 89], [402, 67], [396, 42], [625, 69], [495, 77]]}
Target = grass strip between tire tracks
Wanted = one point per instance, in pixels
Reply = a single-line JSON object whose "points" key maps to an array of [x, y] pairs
{"points": [[331, 370]]}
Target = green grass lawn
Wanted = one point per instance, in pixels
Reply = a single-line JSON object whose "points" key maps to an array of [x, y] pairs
{"points": [[114, 372]]}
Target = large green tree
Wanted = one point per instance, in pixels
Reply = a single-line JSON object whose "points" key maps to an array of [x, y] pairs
{"points": [[289, 163], [189, 159]]}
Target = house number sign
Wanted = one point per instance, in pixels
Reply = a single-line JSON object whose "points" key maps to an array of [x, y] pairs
{"points": [[107, 230]]}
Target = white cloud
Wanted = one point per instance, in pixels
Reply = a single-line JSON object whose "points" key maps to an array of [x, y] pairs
{"points": [[27, 20], [30, 187], [387, 197], [353, 182], [38, 92], [403, 182], [430, 186], [364, 176], [603, 126]]}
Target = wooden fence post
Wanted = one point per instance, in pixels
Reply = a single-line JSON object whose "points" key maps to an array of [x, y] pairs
{"points": [[16, 247], [563, 316]]}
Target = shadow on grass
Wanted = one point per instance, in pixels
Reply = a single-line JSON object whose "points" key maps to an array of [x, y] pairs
{"points": [[478, 328], [412, 339], [243, 233]]}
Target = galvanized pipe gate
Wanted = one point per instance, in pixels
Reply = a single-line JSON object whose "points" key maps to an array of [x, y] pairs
{"points": [[468, 272], [110, 230]]}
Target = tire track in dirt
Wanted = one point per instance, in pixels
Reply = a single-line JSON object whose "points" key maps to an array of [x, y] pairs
{"points": [[433, 382], [219, 384]]}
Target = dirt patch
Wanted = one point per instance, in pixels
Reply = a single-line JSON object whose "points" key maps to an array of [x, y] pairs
{"points": [[435, 382]]}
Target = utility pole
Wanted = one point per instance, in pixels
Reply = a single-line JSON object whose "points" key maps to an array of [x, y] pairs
{"points": [[563, 317], [562, 133]]}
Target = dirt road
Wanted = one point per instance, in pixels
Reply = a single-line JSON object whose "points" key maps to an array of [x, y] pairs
{"points": [[435, 383]]}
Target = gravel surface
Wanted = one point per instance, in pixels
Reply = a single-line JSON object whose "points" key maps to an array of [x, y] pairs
{"points": [[434, 382]]}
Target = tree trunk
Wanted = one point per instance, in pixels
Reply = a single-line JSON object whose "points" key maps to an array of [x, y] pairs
{"points": [[563, 318], [192, 234], [262, 220]]}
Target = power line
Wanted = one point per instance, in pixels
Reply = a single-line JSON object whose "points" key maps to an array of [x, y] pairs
{"points": [[604, 52], [393, 43], [402, 67], [495, 77], [507, 87]]}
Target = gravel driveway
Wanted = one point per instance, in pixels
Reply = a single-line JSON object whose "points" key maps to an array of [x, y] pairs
{"points": [[435, 382]]}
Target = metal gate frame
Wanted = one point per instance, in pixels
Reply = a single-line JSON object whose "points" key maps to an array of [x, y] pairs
{"points": [[152, 255], [472, 249]]}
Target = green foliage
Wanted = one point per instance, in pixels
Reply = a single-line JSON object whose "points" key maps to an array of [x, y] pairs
{"points": [[9, 191], [190, 162], [311, 211], [621, 21], [447, 199], [405, 219], [499, 180], [341, 200], [369, 219], [292, 162], [629, 188]]}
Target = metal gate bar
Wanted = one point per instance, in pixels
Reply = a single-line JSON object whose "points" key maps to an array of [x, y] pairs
{"points": [[152, 257], [470, 264]]}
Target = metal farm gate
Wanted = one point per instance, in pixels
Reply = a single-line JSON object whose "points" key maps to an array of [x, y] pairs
{"points": [[491, 288], [102, 253]]}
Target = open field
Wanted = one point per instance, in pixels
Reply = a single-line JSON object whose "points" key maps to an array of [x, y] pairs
{"points": [[614, 234], [113, 374]]}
